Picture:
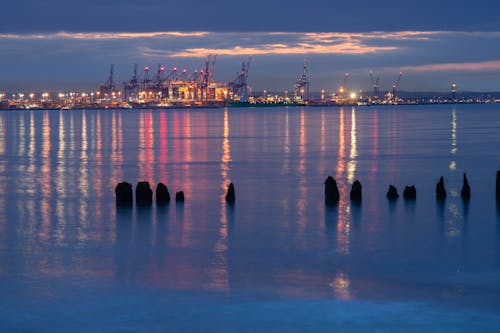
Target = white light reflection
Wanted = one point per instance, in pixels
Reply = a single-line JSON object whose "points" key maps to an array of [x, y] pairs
{"points": [[60, 156], [302, 185], [453, 165], [45, 206], [31, 153], [72, 142], [286, 162], [219, 273], [3, 182], [351, 166], [84, 178], [22, 142], [98, 170], [60, 181], [31, 147], [453, 228], [2, 135], [285, 169], [375, 138], [226, 155]]}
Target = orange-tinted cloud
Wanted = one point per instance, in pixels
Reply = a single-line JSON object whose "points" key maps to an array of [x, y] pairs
{"points": [[280, 49]]}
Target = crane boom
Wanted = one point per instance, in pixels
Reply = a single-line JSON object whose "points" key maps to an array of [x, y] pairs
{"points": [[302, 85], [239, 87], [395, 87], [375, 85]]}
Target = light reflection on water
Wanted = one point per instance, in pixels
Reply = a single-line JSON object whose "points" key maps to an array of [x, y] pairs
{"points": [[454, 149], [353, 154], [219, 270], [302, 186], [344, 220], [58, 170]]}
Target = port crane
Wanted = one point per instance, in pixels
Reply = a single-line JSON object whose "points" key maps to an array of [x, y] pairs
{"points": [[375, 86], [161, 88], [130, 88], [163, 84], [395, 86], [146, 82], [172, 75], [108, 88], [302, 85], [205, 76], [239, 86]]}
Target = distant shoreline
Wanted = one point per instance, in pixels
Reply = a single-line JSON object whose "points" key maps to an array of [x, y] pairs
{"points": [[243, 105]]}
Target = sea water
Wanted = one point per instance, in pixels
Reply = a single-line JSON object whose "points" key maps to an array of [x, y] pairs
{"points": [[279, 260]]}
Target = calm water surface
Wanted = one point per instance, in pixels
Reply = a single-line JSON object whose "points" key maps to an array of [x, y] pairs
{"points": [[279, 260]]}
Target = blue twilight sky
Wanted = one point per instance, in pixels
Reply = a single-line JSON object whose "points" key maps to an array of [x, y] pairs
{"points": [[69, 45]]}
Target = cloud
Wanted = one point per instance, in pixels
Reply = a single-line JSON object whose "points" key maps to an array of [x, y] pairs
{"points": [[281, 49], [288, 43], [395, 35], [197, 44], [103, 35], [493, 65], [433, 56]]}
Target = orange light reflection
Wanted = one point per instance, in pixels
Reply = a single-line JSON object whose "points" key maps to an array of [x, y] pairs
{"points": [[116, 148], [341, 287], [344, 220], [146, 142], [163, 158], [45, 179], [186, 177]]}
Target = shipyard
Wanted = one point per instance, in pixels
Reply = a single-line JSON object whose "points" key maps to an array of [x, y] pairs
{"points": [[162, 87]]}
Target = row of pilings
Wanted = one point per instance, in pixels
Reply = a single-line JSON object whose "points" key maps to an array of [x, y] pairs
{"points": [[144, 194], [332, 194]]}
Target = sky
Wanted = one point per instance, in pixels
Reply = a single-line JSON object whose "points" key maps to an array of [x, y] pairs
{"points": [[69, 45]]}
